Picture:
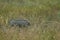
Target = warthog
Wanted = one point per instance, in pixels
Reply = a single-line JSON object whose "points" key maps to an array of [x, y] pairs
{"points": [[19, 22]]}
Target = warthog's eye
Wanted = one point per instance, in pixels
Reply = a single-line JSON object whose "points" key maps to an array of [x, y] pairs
{"points": [[28, 23]]}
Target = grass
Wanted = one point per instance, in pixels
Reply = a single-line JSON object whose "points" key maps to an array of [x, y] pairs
{"points": [[44, 16]]}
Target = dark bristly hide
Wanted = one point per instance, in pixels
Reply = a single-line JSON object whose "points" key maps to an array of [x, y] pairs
{"points": [[19, 22]]}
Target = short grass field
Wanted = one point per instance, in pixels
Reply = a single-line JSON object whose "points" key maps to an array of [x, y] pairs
{"points": [[44, 16]]}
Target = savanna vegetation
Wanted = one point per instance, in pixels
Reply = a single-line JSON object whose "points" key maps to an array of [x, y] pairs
{"points": [[44, 16]]}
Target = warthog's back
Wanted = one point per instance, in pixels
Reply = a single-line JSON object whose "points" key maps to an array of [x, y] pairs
{"points": [[19, 22]]}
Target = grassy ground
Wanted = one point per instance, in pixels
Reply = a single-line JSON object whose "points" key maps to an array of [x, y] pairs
{"points": [[44, 16]]}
